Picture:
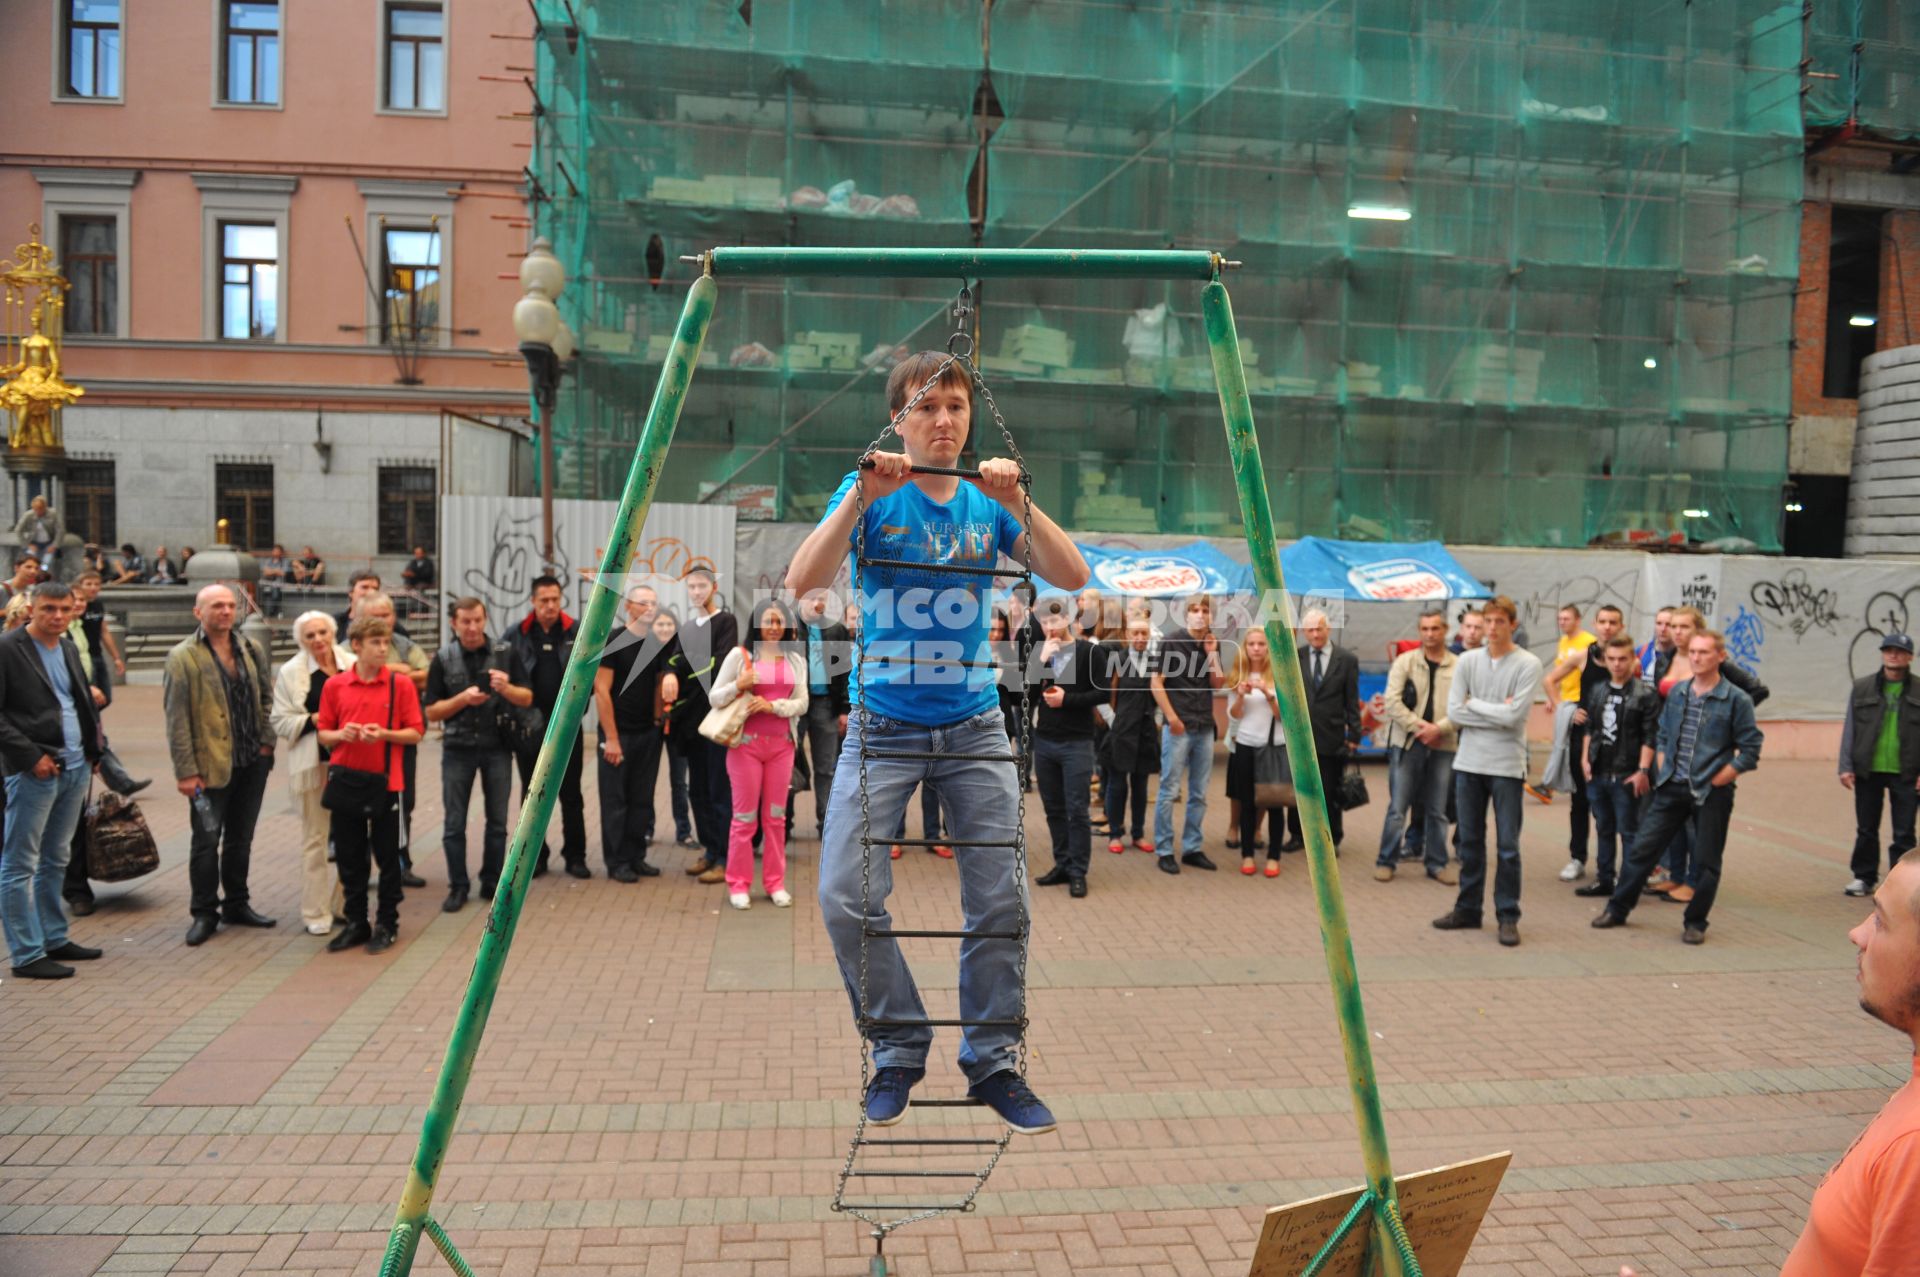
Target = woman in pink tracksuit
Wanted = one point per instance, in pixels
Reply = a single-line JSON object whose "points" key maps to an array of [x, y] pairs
{"points": [[774, 674]]}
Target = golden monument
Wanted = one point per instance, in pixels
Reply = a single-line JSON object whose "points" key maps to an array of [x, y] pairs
{"points": [[34, 393]]}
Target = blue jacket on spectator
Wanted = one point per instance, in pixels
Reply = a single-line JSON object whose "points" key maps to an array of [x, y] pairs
{"points": [[1727, 734]]}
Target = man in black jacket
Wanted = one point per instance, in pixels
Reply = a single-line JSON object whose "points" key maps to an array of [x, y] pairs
{"points": [[1072, 680], [709, 633], [1332, 675], [543, 644], [1621, 721], [50, 740], [1880, 754], [826, 645]]}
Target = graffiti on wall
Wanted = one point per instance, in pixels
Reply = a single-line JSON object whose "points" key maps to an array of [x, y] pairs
{"points": [[511, 558], [1794, 602], [1886, 613]]}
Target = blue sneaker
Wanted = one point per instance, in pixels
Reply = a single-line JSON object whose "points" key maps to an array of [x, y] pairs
{"points": [[887, 1094], [1007, 1094]]}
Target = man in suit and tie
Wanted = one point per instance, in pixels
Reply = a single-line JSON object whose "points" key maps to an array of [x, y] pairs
{"points": [[1332, 676]]}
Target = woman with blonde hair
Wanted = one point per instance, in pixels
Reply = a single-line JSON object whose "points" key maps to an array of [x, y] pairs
{"points": [[1253, 705], [296, 707]]}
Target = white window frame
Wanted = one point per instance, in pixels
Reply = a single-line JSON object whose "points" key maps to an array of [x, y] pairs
{"points": [[380, 106], [61, 10], [410, 204], [243, 197], [219, 99], [94, 192]]}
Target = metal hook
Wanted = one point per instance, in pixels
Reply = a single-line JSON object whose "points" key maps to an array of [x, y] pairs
{"points": [[960, 344]]}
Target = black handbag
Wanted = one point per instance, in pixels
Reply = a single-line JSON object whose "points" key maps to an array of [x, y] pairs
{"points": [[1352, 791], [1272, 775], [353, 792]]}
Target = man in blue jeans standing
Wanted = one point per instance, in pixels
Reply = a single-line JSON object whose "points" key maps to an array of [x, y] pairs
{"points": [[50, 739], [906, 701], [1491, 696], [1621, 718], [1184, 673], [1708, 739]]}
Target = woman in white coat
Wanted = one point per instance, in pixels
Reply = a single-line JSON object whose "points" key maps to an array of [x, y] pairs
{"points": [[296, 702]]}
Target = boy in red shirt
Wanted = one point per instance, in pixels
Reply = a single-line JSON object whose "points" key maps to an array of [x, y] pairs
{"points": [[365, 712]]}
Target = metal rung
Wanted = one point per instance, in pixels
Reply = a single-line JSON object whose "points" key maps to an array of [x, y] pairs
{"points": [[866, 463], [891, 1206], [927, 1143], [913, 1174], [969, 1102], [878, 933], [937, 842], [893, 1023], [927, 755], [956, 568]]}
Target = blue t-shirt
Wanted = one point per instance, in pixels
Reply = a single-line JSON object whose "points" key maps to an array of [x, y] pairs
{"points": [[54, 659], [937, 616]]}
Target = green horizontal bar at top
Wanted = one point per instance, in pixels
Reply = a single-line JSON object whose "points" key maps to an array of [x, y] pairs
{"points": [[975, 263]]}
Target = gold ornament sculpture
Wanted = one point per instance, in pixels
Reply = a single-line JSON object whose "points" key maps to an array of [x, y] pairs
{"points": [[34, 393]]}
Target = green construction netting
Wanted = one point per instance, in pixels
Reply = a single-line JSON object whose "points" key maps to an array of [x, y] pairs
{"points": [[1567, 317], [1861, 54]]}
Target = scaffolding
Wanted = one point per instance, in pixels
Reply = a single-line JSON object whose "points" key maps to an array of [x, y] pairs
{"points": [[1516, 273]]}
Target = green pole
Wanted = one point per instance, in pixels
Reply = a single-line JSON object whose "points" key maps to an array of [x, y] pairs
{"points": [[968, 263], [1237, 408], [457, 1067]]}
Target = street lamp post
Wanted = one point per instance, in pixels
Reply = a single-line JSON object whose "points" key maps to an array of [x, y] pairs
{"points": [[546, 343]]}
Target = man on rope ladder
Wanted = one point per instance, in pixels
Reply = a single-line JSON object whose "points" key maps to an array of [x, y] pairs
{"points": [[926, 710]]}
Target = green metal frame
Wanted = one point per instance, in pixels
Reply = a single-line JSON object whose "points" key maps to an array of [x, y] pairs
{"points": [[1391, 1254]]}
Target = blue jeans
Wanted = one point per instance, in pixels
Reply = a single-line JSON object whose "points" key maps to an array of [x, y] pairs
{"points": [[1189, 755], [1417, 777], [677, 787], [41, 818], [984, 799], [1616, 819], [458, 767], [1472, 790]]}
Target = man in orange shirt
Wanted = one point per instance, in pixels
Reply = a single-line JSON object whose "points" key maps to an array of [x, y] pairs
{"points": [[1865, 1219]]}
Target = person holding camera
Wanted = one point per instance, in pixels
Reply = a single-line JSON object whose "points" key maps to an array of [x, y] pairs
{"points": [[469, 686]]}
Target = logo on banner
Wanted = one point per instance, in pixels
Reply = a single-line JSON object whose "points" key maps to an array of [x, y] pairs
{"points": [[1166, 574], [1396, 580]]}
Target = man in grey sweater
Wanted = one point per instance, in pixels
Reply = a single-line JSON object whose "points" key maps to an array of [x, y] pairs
{"points": [[1489, 701]]}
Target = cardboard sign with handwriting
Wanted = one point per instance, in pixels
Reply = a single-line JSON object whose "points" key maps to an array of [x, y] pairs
{"points": [[1442, 1209]]}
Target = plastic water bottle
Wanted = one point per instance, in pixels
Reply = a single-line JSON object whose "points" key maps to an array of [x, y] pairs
{"points": [[203, 813]]}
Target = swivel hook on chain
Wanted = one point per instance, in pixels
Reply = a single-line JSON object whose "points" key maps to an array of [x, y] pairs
{"points": [[961, 342]]}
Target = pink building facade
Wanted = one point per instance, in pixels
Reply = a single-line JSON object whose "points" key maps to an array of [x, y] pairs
{"points": [[291, 230]]}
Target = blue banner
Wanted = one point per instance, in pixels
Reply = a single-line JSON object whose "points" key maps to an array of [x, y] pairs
{"points": [[1196, 568], [1377, 571]]}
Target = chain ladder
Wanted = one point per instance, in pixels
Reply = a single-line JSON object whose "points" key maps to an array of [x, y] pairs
{"points": [[959, 351]]}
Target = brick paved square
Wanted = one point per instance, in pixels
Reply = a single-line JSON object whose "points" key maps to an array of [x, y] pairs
{"points": [[666, 1085]]}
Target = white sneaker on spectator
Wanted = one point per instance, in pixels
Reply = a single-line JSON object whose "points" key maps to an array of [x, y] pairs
{"points": [[1574, 872], [782, 900], [1859, 887], [739, 900]]}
